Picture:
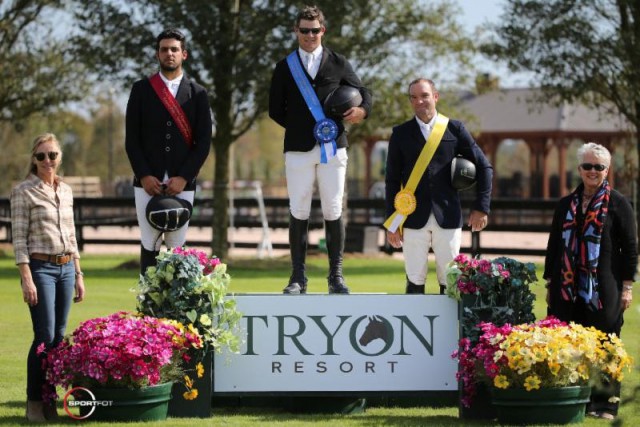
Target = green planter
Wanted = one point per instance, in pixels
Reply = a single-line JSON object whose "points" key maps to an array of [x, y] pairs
{"points": [[544, 406], [144, 404]]}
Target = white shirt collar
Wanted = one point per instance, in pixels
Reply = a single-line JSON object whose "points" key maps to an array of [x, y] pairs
{"points": [[426, 128], [317, 53], [431, 123], [172, 85]]}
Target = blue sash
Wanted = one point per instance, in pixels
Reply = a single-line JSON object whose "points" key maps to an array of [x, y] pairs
{"points": [[326, 130]]}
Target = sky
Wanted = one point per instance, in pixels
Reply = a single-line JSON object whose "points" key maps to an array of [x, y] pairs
{"points": [[477, 12]]}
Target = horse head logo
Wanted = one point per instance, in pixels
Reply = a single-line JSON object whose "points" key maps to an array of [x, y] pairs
{"points": [[376, 328]]}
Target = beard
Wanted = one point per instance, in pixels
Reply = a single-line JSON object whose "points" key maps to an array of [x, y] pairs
{"points": [[165, 67]]}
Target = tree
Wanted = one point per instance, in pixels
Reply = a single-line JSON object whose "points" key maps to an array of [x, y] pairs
{"points": [[36, 71], [234, 45], [587, 51]]}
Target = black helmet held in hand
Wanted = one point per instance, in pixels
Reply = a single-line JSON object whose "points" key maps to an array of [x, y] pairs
{"points": [[463, 173], [340, 100], [168, 213]]}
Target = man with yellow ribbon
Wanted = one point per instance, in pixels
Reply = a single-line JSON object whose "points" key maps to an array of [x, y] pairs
{"points": [[423, 208]]}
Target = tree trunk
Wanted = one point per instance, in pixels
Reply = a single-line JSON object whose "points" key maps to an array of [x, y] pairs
{"points": [[222, 107], [220, 218]]}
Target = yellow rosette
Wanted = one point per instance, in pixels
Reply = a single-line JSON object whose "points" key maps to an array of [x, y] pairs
{"points": [[405, 202]]}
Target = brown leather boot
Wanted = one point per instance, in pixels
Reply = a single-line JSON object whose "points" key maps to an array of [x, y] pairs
{"points": [[35, 411]]}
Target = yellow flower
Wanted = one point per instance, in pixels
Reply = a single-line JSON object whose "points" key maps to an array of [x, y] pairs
{"points": [[188, 381], [532, 382], [190, 395], [500, 381], [554, 368], [200, 370], [193, 329]]}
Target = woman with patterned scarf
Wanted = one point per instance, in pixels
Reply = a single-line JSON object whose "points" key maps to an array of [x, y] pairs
{"points": [[592, 258]]}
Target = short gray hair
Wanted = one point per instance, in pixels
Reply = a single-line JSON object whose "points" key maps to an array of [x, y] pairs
{"points": [[598, 150]]}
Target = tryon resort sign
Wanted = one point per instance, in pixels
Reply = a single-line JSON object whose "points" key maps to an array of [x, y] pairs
{"points": [[358, 342]]}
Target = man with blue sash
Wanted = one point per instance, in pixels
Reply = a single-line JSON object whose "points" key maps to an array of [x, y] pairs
{"points": [[314, 145]]}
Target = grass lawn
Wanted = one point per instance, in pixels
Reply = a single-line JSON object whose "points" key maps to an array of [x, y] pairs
{"points": [[109, 290]]}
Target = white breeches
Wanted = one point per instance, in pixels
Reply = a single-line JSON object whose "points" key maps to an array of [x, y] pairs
{"points": [[415, 247], [302, 169]]}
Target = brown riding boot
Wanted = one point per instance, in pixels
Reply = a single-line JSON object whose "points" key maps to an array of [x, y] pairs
{"points": [[35, 411]]}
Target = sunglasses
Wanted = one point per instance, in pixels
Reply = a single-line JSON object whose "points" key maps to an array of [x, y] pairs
{"points": [[51, 154], [309, 30], [597, 166]]}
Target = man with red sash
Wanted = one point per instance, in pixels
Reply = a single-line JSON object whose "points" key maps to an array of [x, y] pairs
{"points": [[168, 136], [426, 214], [300, 84]]}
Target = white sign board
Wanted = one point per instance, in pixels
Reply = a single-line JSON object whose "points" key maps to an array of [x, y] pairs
{"points": [[321, 343]]}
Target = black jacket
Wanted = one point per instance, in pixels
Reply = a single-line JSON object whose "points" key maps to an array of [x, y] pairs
{"points": [[154, 143], [288, 108], [617, 262], [434, 193]]}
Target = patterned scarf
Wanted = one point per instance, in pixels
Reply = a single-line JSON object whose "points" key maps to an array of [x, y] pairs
{"points": [[582, 247]]}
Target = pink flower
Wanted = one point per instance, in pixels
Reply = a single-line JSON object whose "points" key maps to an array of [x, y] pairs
{"points": [[122, 350], [41, 349]]}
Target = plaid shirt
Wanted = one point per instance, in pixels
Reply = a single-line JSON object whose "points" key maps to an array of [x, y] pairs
{"points": [[42, 219]]}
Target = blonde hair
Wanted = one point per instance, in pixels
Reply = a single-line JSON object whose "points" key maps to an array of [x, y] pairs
{"points": [[41, 139]]}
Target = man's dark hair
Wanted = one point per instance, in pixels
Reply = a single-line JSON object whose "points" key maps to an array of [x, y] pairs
{"points": [[310, 13], [171, 33]]}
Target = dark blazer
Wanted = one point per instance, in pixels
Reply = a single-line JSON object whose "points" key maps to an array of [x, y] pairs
{"points": [[288, 108], [154, 143], [617, 262], [434, 192]]}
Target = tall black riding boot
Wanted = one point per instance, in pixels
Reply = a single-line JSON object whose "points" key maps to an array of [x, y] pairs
{"points": [[335, 247], [147, 259], [298, 237], [412, 288]]}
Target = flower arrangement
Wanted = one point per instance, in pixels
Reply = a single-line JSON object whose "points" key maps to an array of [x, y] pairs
{"points": [[545, 354], [121, 350], [499, 289], [188, 286]]}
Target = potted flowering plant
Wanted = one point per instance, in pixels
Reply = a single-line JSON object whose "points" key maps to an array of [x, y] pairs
{"points": [[121, 351], [190, 287], [495, 291], [544, 357]]}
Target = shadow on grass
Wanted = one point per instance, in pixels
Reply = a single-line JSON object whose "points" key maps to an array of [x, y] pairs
{"points": [[275, 416]]}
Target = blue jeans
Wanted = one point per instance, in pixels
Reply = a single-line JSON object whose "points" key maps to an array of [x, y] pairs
{"points": [[56, 286]]}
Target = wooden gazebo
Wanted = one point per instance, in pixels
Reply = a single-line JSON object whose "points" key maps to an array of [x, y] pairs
{"points": [[512, 114]]}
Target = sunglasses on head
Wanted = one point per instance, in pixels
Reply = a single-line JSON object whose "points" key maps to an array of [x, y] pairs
{"points": [[310, 30], [51, 154], [597, 166]]}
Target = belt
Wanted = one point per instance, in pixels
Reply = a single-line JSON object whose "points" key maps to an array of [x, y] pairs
{"points": [[60, 259]]}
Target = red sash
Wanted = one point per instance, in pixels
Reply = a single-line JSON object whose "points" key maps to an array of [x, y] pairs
{"points": [[173, 107]]}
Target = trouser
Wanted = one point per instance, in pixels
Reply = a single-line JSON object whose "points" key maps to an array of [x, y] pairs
{"points": [[55, 285], [303, 169], [445, 243]]}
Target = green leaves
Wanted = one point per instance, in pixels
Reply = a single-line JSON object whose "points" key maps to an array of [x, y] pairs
{"points": [[177, 289]]}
